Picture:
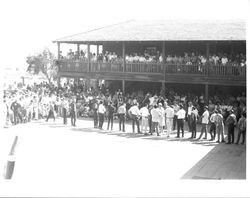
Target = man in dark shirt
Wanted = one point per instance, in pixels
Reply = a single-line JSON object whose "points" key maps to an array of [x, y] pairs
{"points": [[15, 107], [111, 110], [95, 112], [73, 112]]}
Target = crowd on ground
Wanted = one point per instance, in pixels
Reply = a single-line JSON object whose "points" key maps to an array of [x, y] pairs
{"points": [[150, 113], [186, 58]]}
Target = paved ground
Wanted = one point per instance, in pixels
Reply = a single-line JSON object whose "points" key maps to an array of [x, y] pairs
{"points": [[57, 160]]}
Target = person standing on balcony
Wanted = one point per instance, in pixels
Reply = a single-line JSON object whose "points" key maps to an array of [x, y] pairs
{"points": [[181, 114], [135, 114], [231, 123], [101, 112]]}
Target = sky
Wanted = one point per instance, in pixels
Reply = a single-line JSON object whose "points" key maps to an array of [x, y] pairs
{"points": [[28, 26]]}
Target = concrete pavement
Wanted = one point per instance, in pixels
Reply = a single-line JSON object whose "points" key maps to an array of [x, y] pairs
{"points": [[82, 161]]}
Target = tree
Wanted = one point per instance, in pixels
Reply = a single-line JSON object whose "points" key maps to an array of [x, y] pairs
{"points": [[43, 62]]}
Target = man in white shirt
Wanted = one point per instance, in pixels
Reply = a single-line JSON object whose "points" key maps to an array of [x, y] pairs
{"points": [[135, 114], [101, 111], [181, 114], [204, 123], [189, 110], [155, 120], [169, 119], [161, 117], [145, 115]]}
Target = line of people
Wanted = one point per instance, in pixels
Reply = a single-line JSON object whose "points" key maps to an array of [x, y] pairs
{"points": [[164, 117]]}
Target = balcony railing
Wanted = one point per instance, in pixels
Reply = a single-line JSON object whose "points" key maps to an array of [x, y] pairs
{"points": [[152, 68]]}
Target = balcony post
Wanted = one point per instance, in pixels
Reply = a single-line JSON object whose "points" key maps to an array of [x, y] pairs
{"points": [[78, 50], [123, 56], [97, 50], [164, 66], [88, 52], [123, 87], [206, 92], [58, 51], [207, 57]]}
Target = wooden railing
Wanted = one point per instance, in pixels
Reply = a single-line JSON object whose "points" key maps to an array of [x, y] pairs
{"points": [[153, 68]]}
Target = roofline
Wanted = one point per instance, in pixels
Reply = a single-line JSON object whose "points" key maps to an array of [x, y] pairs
{"points": [[129, 41]]}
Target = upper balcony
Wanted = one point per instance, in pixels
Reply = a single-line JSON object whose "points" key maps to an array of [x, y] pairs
{"points": [[155, 72]]}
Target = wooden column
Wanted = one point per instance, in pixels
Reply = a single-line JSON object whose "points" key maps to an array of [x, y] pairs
{"points": [[88, 52], [206, 92], [207, 50], [78, 50], [164, 66], [58, 50], [207, 57], [97, 50], [123, 56], [123, 87]]}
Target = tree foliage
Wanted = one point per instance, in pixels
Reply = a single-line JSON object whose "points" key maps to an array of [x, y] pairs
{"points": [[43, 62]]}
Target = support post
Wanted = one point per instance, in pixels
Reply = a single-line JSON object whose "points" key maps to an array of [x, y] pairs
{"points": [[207, 51], [78, 50], [164, 66], [163, 87], [207, 57], [58, 51], [123, 56], [97, 50], [123, 87], [88, 52], [206, 92]]}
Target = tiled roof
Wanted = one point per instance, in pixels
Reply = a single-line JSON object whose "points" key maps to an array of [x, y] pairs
{"points": [[164, 30]]}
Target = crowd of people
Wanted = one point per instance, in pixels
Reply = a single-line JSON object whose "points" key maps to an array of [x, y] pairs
{"points": [[149, 113], [186, 58]]}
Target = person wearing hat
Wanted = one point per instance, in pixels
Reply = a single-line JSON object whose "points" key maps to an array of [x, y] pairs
{"points": [[181, 114], [204, 123], [231, 123]]}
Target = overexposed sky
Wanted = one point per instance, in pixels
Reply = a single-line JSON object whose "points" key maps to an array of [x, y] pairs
{"points": [[30, 25]]}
